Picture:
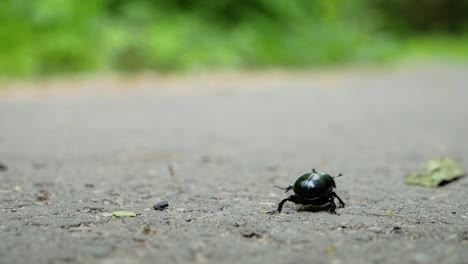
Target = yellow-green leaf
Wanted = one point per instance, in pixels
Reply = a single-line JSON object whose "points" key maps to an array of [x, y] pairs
{"points": [[124, 214], [440, 170]]}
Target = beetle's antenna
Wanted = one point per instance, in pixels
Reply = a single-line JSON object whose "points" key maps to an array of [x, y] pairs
{"points": [[287, 189], [339, 175]]}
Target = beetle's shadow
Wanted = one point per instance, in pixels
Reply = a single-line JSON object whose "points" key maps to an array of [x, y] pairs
{"points": [[313, 208]]}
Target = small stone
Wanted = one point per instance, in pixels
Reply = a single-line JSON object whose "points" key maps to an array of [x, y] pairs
{"points": [[390, 212], [200, 258], [171, 169], [393, 229], [331, 250], [43, 195], [3, 167], [375, 229], [89, 185], [420, 258], [452, 237], [149, 231], [251, 234]]}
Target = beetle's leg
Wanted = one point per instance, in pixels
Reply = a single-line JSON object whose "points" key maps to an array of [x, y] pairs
{"points": [[291, 198], [280, 207], [331, 200], [287, 189], [342, 204], [332, 209]]}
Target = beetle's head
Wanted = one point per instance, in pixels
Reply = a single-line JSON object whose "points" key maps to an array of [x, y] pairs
{"points": [[339, 175]]}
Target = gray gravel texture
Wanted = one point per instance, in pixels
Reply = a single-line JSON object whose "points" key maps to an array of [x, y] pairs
{"points": [[213, 147]]}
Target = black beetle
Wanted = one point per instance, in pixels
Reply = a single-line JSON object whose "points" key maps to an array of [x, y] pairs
{"points": [[314, 188], [161, 205]]}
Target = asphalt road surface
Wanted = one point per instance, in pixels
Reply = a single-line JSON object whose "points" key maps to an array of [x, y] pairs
{"points": [[213, 147]]}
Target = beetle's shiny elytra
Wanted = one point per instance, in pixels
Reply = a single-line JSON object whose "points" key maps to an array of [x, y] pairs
{"points": [[314, 188]]}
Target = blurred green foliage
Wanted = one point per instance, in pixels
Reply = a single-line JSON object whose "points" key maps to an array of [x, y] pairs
{"points": [[69, 36], [407, 17]]}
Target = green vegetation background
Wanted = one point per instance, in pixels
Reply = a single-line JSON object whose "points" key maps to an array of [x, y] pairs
{"points": [[44, 37]]}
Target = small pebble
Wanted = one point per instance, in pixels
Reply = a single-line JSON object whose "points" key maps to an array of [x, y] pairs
{"points": [[251, 234], [43, 195], [394, 229], [171, 169], [161, 205], [3, 167], [375, 229], [149, 231], [390, 212], [331, 250]]}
